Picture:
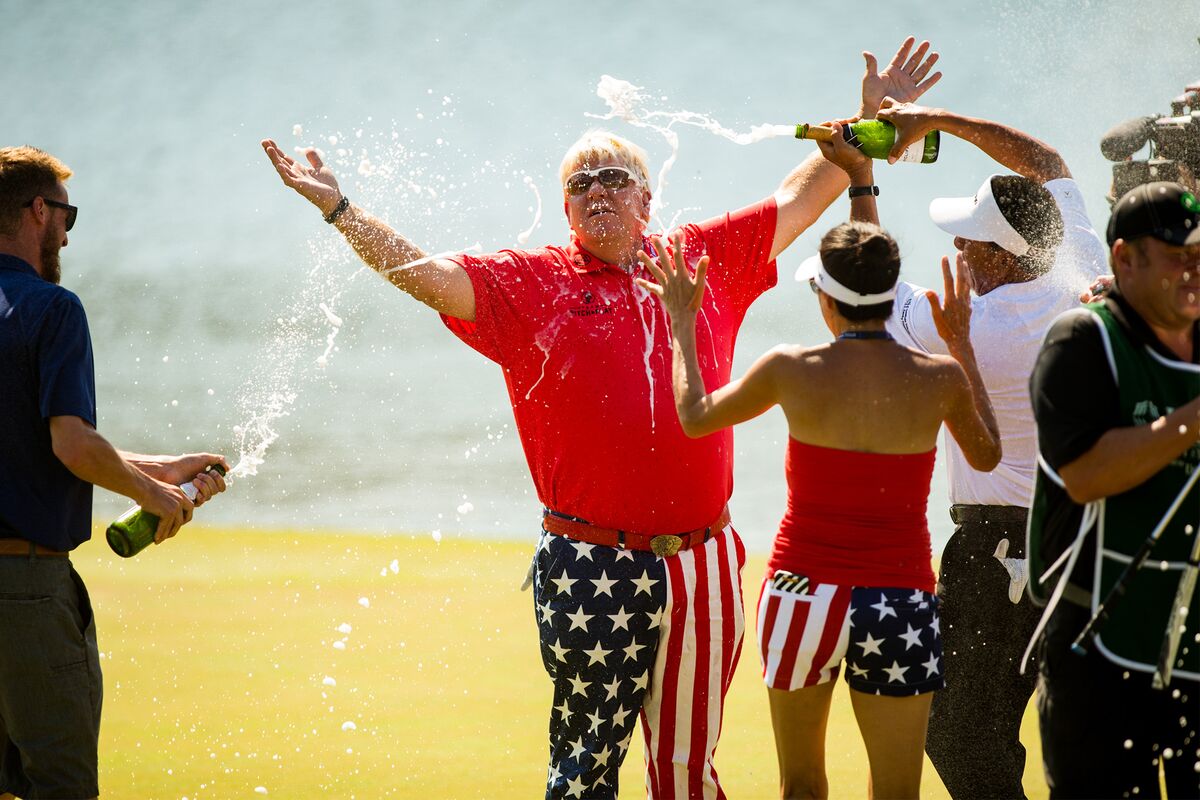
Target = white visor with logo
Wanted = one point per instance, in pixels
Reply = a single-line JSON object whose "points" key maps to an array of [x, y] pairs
{"points": [[814, 270]]}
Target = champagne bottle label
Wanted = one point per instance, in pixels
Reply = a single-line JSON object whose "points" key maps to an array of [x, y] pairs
{"points": [[914, 153]]}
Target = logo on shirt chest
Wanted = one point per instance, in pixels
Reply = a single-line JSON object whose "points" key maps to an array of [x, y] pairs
{"points": [[586, 304], [1146, 411]]}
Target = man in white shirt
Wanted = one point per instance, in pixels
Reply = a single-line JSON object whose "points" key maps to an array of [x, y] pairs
{"points": [[1030, 247]]}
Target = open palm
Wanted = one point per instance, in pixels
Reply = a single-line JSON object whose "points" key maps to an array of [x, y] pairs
{"points": [[680, 291], [952, 311], [905, 78], [313, 181]]}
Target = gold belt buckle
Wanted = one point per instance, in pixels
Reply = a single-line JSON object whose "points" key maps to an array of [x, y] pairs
{"points": [[665, 545]]}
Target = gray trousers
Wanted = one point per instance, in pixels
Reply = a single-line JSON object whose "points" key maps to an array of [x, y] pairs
{"points": [[975, 722], [50, 682]]}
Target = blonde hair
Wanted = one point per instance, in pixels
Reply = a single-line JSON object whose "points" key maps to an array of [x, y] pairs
{"points": [[598, 145], [25, 173]]}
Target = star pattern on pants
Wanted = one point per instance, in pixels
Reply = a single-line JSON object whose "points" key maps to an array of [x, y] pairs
{"points": [[896, 650], [883, 608], [599, 612]]}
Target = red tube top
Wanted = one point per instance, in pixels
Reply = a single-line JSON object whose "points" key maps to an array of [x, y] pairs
{"points": [[856, 519]]}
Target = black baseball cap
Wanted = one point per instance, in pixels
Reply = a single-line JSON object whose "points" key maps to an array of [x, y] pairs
{"points": [[1167, 211]]}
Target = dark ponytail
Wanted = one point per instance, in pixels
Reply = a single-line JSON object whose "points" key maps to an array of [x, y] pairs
{"points": [[864, 257]]}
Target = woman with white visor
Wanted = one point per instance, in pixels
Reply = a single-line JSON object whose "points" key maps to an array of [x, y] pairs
{"points": [[850, 575]]}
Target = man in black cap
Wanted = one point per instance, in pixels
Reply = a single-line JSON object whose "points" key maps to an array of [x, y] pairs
{"points": [[1116, 394]]}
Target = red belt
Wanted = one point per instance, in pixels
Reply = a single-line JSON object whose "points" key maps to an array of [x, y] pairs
{"points": [[24, 547], [660, 545]]}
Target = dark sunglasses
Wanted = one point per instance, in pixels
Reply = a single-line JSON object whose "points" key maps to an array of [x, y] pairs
{"points": [[72, 211], [610, 178]]}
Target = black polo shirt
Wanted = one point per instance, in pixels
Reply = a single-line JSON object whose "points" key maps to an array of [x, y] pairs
{"points": [[46, 370]]}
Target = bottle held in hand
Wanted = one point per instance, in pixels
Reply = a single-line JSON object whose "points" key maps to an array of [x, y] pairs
{"points": [[875, 137], [133, 531]]}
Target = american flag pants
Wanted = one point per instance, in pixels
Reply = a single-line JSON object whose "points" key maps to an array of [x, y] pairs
{"points": [[623, 632]]}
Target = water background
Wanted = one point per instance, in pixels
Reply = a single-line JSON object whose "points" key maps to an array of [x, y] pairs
{"points": [[203, 276]]}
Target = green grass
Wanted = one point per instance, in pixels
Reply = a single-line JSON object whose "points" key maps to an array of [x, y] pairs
{"points": [[216, 646]]}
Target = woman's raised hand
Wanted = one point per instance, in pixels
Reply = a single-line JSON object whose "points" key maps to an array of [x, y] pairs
{"points": [[952, 312], [680, 291]]}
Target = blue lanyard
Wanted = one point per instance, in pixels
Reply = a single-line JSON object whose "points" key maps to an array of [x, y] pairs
{"points": [[866, 335]]}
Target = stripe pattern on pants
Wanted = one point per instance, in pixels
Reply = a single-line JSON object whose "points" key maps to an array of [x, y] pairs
{"points": [[700, 643]]}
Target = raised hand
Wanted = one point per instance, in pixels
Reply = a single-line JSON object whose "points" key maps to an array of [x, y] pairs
{"points": [[952, 312], [680, 292], [904, 79], [314, 181]]}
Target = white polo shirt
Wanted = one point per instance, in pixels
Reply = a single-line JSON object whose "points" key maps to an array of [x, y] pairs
{"points": [[1007, 328]]}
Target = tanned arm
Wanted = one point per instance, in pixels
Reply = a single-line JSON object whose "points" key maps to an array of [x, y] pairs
{"points": [[810, 188], [1127, 457], [1014, 149], [90, 457], [701, 413], [969, 417], [440, 284]]}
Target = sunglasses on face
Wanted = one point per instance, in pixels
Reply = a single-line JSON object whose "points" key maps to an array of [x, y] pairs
{"points": [[610, 178], [812, 284], [72, 211]]}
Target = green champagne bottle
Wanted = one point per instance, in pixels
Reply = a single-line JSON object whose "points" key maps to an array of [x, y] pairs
{"points": [[133, 531], [875, 138]]}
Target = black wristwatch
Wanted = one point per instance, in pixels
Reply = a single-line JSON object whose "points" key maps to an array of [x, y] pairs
{"points": [[863, 191], [338, 210]]}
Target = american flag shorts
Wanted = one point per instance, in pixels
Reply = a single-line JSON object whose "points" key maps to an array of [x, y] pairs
{"points": [[624, 632], [890, 638]]}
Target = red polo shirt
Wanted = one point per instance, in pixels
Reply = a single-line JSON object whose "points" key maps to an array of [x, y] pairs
{"points": [[586, 355]]}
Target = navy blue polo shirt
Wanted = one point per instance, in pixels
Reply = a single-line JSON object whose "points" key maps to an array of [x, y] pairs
{"points": [[46, 370]]}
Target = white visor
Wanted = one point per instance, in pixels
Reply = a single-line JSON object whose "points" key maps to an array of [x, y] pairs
{"points": [[977, 218], [813, 269]]}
